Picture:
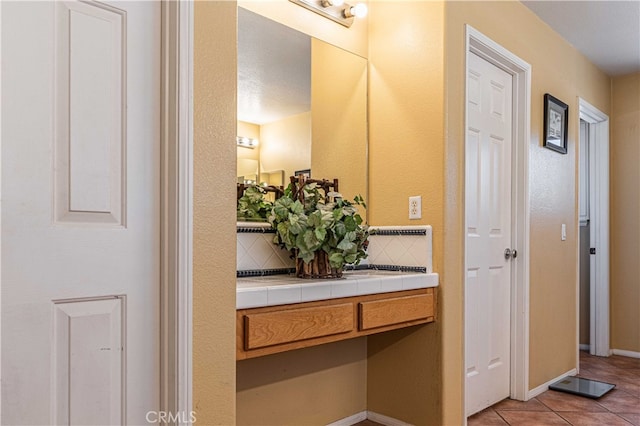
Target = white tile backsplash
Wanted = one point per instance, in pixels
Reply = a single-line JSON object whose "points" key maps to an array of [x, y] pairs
{"points": [[401, 250], [256, 250]]}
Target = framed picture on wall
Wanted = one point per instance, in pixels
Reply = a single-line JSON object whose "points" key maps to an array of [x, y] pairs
{"points": [[306, 173], [556, 115]]}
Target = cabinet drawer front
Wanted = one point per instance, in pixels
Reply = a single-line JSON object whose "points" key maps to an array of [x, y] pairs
{"points": [[380, 313], [273, 328]]}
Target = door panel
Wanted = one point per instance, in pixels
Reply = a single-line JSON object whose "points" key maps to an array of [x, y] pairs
{"points": [[90, 115], [488, 234], [79, 328], [80, 212]]}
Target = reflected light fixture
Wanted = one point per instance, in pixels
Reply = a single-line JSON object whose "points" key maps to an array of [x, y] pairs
{"points": [[327, 3], [246, 142], [336, 10]]}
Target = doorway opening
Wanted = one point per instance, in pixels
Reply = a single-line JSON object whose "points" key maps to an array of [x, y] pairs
{"points": [[584, 274], [594, 225]]}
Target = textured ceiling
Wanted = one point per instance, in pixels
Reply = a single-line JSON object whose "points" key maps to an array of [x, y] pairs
{"points": [[606, 32], [274, 70]]}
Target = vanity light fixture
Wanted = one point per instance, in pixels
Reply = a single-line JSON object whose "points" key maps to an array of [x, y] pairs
{"points": [[336, 10], [246, 142]]}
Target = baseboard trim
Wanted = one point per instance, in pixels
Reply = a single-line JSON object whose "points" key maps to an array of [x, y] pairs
{"points": [[351, 420], [622, 352], [584, 347], [385, 420], [545, 386]]}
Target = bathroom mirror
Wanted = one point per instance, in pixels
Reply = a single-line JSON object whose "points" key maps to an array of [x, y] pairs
{"points": [[305, 102]]}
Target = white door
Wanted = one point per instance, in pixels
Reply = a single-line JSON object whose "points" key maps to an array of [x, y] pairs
{"points": [[584, 327], [488, 234], [80, 212], [598, 146]]}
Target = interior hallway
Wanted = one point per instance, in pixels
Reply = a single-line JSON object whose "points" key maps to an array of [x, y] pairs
{"points": [[621, 406]]}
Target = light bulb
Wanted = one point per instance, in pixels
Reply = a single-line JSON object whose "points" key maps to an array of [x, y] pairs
{"points": [[359, 11]]}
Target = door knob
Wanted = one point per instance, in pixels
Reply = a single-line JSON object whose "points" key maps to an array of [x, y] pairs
{"points": [[510, 253]]}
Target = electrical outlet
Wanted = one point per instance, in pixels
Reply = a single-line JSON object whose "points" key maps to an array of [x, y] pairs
{"points": [[415, 207]]}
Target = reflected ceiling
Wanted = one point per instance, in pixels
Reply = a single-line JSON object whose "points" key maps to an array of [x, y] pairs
{"points": [[274, 70]]}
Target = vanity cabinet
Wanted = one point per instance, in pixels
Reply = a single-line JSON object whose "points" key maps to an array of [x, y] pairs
{"points": [[273, 329]]}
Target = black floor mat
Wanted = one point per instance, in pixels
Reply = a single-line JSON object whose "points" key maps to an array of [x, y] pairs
{"points": [[583, 387]]}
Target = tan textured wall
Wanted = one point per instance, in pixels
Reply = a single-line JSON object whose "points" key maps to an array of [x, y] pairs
{"points": [[317, 385], [283, 145], [214, 196], [313, 386], [339, 118], [286, 145], [560, 70], [625, 211], [249, 130], [406, 146], [247, 158]]}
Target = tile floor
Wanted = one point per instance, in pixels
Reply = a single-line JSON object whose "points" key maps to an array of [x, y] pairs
{"points": [[621, 406]]}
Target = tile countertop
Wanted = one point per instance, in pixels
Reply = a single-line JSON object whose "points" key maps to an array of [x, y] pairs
{"points": [[254, 292]]}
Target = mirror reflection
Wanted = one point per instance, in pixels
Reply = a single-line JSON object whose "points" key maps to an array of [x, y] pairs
{"points": [[303, 101]]}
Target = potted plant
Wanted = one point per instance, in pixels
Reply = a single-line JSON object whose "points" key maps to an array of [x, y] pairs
{"points": [[323, 232], [252, 205]]}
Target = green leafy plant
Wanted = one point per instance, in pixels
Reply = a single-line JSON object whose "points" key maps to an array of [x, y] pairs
{"points": [[252, 205], [323, 231]]}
